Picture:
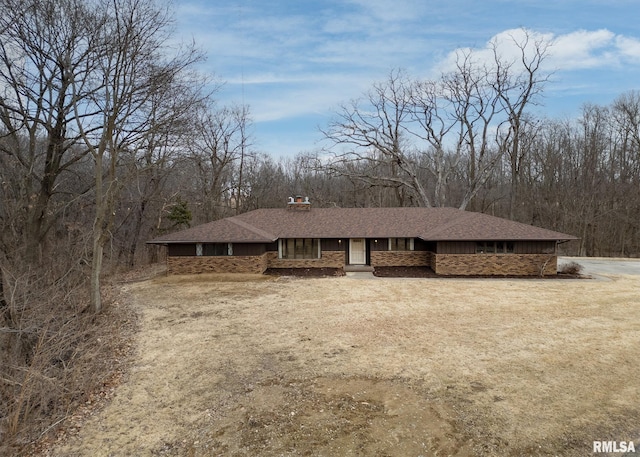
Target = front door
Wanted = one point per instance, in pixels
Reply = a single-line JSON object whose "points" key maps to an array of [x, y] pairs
{"points": [[357, 251]]}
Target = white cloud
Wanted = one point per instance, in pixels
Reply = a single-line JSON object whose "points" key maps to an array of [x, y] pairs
{"points": [[508, 46], [579, 50], [584, 49], [629, 47]]}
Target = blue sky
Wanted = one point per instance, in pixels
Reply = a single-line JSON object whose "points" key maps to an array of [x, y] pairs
{"points": [[294, 62]]}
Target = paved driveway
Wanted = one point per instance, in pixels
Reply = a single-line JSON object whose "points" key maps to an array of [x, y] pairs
{"points": [[604, 266]]}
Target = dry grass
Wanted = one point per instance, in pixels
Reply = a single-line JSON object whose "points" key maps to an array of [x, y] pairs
{"points": [[55, 356], [341, 366]]}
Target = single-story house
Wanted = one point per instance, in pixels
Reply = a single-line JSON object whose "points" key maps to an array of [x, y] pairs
{"points": [[449, 240]]}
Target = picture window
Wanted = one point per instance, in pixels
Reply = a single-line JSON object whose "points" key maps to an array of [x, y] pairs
{"points": [[300, 248]]}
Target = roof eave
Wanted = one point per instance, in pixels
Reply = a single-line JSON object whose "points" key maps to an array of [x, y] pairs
{"points": [[492, 238], [237, 241]]}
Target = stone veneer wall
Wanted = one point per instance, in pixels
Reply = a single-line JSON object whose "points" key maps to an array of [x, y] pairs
{"points": [[183, 265], [497, 264], [400, 259], [329, 259]]}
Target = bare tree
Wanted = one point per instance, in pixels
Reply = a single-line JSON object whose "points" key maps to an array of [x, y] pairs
{"points": [[419, 136], [431, 111], [518, 83], [131, 66], [217, 152], [267, 180], [373, 132], [626, 117], [625, 170], [43, 49], [243, 122], [475, 107], [172, 114]]}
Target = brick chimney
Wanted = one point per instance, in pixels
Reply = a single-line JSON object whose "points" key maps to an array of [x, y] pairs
{"points": [[298, 204]]}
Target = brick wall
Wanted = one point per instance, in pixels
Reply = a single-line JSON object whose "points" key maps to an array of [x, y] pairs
{"points": [[329, 259], [442, 264], [183, 265], [498, 264], [399, 258]]}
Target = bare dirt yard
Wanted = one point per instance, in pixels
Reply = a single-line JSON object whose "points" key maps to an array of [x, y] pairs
{"points": [[280, 366]]}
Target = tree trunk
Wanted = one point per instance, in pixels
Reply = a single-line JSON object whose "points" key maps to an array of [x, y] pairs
{"points": [[4, 306], [513, 191], [137, 228], [98, 235], [96, 270]]}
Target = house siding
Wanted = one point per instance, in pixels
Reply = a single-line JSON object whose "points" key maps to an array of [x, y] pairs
{"points": [[535, 247], [174, 250], [520, 247], [495, 265], [333, 244], [379, 245], [456, 247], [239, 249], [248, 249]]}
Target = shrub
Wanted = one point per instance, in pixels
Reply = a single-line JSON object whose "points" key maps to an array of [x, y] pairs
{"points": [[571, 268]]}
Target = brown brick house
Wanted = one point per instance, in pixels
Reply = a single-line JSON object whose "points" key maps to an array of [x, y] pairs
{"points": [[450, 241]]}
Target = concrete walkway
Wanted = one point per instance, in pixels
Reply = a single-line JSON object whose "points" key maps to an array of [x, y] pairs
{"points": [[361, 275]]}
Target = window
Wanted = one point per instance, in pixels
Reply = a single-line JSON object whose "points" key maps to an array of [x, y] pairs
{"points": [[299, 248], [198, 249], [494, 247], [401, 244], [217, 249]]}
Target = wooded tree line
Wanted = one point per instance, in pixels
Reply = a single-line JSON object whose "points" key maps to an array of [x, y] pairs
{"points": [[481, 151], [93, 95], [109, 137]]}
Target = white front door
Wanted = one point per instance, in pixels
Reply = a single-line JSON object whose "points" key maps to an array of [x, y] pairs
{"points": [[357, 251]]}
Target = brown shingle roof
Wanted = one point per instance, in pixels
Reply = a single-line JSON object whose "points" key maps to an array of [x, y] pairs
{"points": [[430, 224], [221, 231]]}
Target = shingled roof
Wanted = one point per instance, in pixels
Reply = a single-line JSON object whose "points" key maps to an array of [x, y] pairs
{"points": [[429, 224]]}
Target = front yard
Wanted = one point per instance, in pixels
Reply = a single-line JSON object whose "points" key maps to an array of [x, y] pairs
{"points": [[266, 366]]}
